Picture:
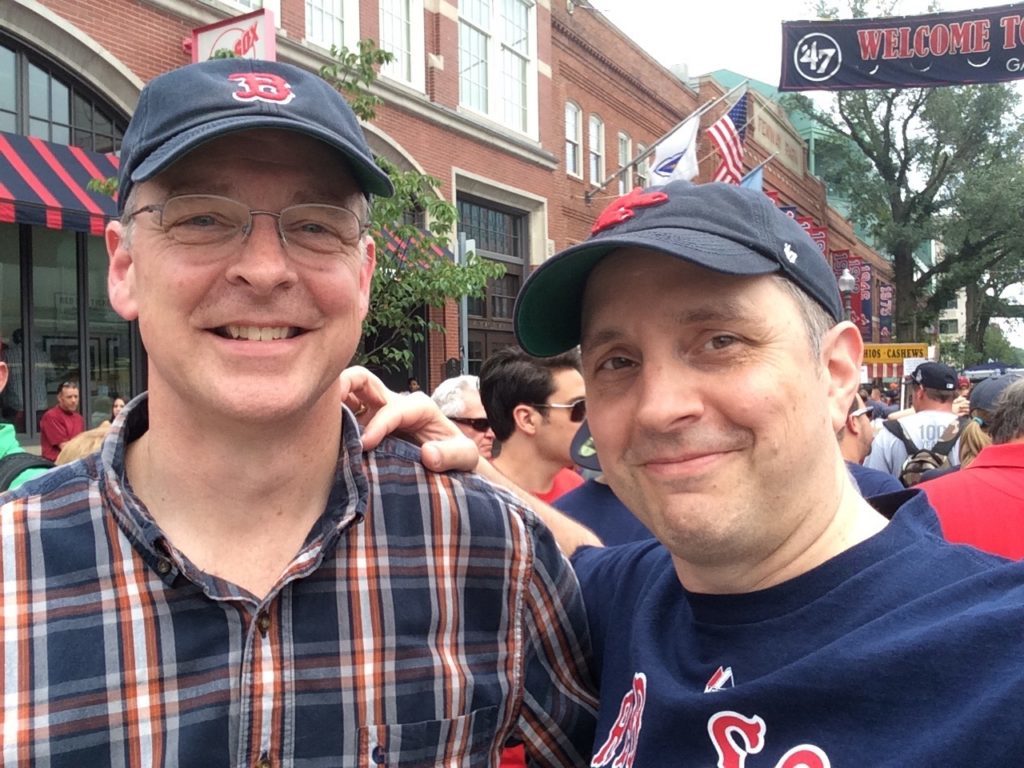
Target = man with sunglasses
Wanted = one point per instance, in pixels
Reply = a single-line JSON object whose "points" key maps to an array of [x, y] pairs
{"points": [[232, 580], [855, 437], [459, 400], [535, 407]]}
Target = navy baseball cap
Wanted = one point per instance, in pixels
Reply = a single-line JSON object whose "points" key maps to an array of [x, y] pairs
{"points": [[721, 227], [986, 393], [186, 107], [935, 376]]}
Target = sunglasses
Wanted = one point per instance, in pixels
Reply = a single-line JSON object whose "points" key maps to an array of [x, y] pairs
{"points": [[577, 413], [477, 425], [861, 411]]}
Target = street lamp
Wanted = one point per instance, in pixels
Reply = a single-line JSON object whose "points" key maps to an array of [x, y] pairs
{"points": [[847, 283]]}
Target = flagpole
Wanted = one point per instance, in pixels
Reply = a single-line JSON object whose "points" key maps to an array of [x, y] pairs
{"points": [[588, 196], [761, 165]]}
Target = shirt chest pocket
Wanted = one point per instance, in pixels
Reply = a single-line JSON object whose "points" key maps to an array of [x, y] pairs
{"points": [[461, 742]]}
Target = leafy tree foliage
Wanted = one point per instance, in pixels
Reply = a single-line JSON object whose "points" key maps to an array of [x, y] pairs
{"points": [[420, 273], [912, 163]]}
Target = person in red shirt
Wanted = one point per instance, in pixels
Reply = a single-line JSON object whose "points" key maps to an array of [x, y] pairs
{"points": [[535, 407], [983, 504], [62, 422]]}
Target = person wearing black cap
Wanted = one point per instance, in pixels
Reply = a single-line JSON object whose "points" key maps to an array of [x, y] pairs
{"points": [[594, 504], [983, 504], [932, 399], [217, 588], [781, 618]]}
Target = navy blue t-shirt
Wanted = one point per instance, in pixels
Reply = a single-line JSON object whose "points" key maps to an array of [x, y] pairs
{"points": [[903, 651], [873, 482], [596, 506]]}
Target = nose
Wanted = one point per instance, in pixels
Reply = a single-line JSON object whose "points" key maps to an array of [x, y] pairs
{"points": [[262, 262], [667, 393]]}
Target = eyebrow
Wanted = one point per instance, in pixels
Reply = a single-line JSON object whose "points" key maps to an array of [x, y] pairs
{"points": [[722, 312]]}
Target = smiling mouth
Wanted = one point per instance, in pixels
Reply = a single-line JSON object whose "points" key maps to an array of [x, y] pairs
{"points": [[257, 332]]}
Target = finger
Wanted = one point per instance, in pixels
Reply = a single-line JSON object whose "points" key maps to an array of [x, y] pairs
{"points": [[456, 453], [359, 383]]}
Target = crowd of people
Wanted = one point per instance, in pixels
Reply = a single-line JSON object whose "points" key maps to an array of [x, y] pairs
{"points": [[249, 571]]}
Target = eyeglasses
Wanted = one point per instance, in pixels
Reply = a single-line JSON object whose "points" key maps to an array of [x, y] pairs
{"points": [[310, 229], [477, 425], [577, 414]]}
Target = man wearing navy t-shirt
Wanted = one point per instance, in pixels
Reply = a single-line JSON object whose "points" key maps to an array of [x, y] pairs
{"points": [[782, 621]]}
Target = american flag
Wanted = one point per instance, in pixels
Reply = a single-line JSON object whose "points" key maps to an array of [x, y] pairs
{"points": [[727, 135]]}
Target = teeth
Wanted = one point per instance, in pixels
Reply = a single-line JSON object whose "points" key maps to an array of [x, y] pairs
{"points": [[258, 333]]}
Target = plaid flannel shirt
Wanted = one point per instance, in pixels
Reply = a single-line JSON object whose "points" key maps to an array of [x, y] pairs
{"points": [[427, 619]]}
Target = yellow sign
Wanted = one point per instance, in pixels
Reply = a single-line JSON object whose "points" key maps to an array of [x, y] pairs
{"points": [[893, 353]]}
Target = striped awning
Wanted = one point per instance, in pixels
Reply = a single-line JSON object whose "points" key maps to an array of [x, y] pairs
{"points": [[884, 370], [46, 184], [399, 246]]}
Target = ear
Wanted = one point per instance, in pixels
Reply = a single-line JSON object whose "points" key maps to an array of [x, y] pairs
{"points": [[120, 273], [842, 352], [366, 270], [525, 418], [3, 376]]}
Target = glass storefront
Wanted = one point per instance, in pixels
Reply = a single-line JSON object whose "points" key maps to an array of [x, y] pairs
{"points": [[67, 331]]}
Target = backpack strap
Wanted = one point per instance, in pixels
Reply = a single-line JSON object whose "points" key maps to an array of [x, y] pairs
{"points": [[13, 464], [896, 430]]}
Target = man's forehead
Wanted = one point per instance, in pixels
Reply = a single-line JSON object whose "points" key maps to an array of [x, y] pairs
{"points": [[733, 299], [205, 167]]}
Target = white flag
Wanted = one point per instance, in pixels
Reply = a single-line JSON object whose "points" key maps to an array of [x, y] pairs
{"points": [[676, 156]]}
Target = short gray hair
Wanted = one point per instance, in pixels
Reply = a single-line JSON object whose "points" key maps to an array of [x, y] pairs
{"points": [[817, 322], [1007, 422], [449, 394]]}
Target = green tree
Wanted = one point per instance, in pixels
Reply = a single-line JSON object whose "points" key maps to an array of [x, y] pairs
{"points": [[897, 157], [419, 273]]}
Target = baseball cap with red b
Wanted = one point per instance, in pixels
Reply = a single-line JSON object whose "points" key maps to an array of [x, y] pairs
{"points": [[720, 227], [182, 109]]}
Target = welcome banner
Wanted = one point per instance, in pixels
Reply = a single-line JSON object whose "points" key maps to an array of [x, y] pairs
{"points": [[985, 45]]}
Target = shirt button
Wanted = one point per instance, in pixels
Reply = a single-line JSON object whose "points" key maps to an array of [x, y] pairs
{"points": [[263, 762], [163, 567], [263, 623], [378, 755]]}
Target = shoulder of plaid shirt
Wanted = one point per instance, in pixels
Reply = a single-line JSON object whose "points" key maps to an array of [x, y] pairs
{"points": [[428, 619]]}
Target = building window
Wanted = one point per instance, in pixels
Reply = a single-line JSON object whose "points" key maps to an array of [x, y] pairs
{"points": [[643, 168], [952, 303], [401, 33], [595, 149], [501, 235], [37, 100], [625, 157], [497, 61], [255, 5], [949, 327], [333, 22], [573, 139]]}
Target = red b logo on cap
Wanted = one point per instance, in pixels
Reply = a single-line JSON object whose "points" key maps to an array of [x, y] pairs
{"points": [[261, 86], [624, 208]]}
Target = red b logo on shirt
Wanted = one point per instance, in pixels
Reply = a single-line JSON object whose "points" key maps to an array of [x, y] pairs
{"points": [[261, 86]]}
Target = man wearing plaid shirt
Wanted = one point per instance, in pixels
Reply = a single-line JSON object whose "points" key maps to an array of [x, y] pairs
{"points": [[215, 589]]}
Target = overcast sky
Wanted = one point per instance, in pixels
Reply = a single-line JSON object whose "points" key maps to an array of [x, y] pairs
{"points": [[744, 36]]}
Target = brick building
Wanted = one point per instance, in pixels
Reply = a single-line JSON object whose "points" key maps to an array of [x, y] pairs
{"points": [[520, 109]]}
